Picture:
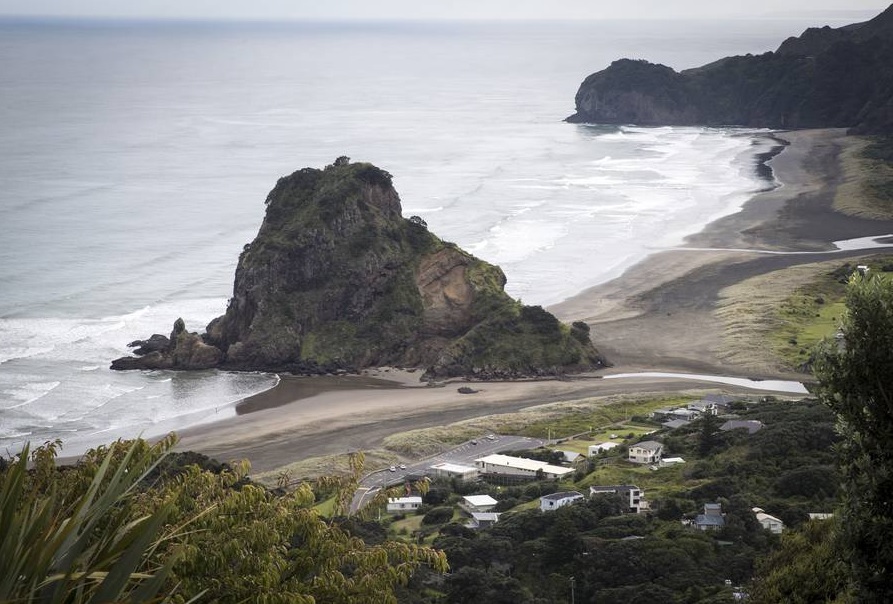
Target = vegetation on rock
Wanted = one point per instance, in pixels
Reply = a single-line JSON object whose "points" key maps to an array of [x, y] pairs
{"points": [[337, 279], [826, 78]]}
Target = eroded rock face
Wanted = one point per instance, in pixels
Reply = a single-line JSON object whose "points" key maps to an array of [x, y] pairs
{"points": [[337, 279]]}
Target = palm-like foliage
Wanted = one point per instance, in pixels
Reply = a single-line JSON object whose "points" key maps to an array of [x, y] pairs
{"points": [[61, 541]]}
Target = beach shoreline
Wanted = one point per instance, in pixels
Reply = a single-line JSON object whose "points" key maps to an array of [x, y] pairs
{"points": [[657, 316]]}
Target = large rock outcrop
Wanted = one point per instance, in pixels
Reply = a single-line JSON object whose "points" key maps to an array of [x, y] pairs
{"points": [[337, 279], [841, 78]]}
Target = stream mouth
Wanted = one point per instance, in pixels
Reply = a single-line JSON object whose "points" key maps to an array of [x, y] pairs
{"points": [[753, 384]]}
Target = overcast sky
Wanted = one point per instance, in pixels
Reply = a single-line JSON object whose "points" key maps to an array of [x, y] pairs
{"points": [[433, 9]]}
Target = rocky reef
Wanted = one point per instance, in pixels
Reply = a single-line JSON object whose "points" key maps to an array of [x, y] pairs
{"points": [[840, 78], [338, 280]]}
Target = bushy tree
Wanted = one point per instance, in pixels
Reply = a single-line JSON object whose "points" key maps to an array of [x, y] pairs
{"points": [[101, 531], [856, 382]]}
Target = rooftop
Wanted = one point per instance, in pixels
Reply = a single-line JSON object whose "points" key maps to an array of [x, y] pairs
{"points": [[648, 444], [479, 500], [562, 495], [522, 463]]}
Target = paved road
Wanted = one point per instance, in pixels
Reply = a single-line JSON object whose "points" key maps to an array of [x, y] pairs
{"points": [[463, 454]]}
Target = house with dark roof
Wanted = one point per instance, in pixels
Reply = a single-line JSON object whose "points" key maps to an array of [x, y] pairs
{"points": [[712, 519], [751, 425]]}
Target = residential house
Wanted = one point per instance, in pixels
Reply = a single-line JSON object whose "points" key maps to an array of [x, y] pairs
{"points": [[398, 505], [675, 423], [519, 466], [751, 425], [457, 471], [631, 494], [770, 523], [712, 518], [559, 500], [483, 519], [820, 516], [662, 413], [684, 414], [599, 447], [647, 451], [703, 407], [477, 503], [571, 457]]}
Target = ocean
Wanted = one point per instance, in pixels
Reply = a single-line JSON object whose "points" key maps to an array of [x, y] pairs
{"points": [[135, 160]]}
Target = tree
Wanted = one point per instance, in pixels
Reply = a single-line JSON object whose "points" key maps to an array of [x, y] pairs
{"points": [[856, 382], [71, 537], [214, 534]]}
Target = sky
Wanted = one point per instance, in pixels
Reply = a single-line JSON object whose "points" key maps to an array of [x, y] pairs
{"points": [[431, 9]]}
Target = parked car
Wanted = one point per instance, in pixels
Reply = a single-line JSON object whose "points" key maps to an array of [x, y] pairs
{"points": [[402, 466], [393, 468]]}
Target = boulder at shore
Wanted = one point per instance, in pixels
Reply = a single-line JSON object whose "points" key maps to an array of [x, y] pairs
{"points": [[337, 279]]}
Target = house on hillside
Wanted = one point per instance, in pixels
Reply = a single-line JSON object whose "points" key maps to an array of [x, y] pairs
{"points": [[559, 500], [751, 425], [599, 447], [648, 451], [712, 519], [572, 457], [400, 505], [481, 520], [477, 503], [631, 494], [770, 523], [675, 423]]}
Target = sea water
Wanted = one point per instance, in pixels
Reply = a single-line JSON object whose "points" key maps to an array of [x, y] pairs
{"points": [[135, 160]]}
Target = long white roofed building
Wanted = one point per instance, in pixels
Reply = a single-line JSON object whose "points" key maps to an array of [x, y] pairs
{"points": [[519, 466]]}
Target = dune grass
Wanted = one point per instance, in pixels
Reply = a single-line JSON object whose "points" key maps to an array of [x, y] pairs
{"points": [[866, 189]]}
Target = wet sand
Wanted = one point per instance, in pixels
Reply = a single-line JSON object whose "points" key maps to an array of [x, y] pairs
{"points": [[657, 316]]}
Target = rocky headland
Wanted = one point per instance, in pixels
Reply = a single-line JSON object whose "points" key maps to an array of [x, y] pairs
{"points": [[826, 78], [337, 280]]}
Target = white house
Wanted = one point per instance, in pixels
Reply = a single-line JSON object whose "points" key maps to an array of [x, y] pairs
{"points": [[477, 503], [647, 451], [519, 466], [483, 519], [559, 500], [397, 505], [631, 494], [599, 447], [452, 470], [770, 523]]}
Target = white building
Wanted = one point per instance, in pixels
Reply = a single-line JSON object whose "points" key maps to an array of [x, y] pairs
{"points": [[483, 519], [398, 505], [477, 503], [631, 494], [453, 470], [599, 447], [770, 523], [559, 500], [519, 466], [647, 451]]}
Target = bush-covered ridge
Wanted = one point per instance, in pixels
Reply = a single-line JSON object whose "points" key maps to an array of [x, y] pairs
{"points": [[825, 78], [337, 279]]}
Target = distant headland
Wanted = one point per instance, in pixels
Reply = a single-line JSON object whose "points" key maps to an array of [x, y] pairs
{"points": [[826, 78]]}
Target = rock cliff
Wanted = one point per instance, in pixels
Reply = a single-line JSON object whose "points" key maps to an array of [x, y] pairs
{"points": [[337, 279], [840, 78]]}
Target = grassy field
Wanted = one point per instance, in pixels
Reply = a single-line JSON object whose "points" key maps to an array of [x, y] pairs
{"points": [[867, 187], [786, 313], [331, 465]]}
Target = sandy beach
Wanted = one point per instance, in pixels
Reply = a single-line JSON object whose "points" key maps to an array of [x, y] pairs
{"points": [[658, 316]]}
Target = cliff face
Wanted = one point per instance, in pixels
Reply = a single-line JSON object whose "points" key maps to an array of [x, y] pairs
{"points": [[337, 279], [825, 78]]}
